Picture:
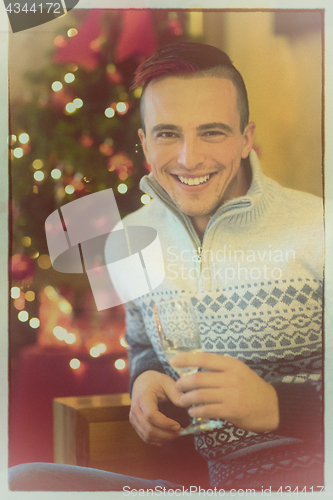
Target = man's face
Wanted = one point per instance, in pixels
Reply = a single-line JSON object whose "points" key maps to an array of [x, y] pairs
{"points": [[193, 142]]}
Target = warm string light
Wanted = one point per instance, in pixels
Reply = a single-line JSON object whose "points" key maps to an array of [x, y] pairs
{"points": [[63, 335], [37, 164], [39, 176], [11, 139], [69, 77], [24, 138], [78, 103], [56, 173], [18, 152], [56, 86], [75, 363], [69, 189], [26, 241], [123, 342], [44, 262], [109, 112], [122, 188], [145, 199], [72, 32], [122, 107], [120, 364], [97, 350], [23, 316], [15, 292]]}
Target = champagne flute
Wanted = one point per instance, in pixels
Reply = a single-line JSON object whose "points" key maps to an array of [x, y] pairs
{"points": [[178, 332]]}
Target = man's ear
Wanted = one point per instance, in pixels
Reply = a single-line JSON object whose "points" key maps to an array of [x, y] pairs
{"points": [[248, 136], [142, 137]]}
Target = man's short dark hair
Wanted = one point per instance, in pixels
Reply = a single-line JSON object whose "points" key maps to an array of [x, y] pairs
{"points": [[189, 59]]}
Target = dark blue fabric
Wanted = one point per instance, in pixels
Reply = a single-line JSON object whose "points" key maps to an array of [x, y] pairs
{"points": [[59, 477]]}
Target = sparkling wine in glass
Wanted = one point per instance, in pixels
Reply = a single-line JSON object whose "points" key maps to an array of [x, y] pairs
{"points": [[178, 332]]}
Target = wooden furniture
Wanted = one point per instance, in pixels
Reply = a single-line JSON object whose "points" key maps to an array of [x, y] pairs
{"points": [[94, 431]]}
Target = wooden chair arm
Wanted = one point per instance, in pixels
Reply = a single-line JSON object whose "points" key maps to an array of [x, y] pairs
{"points": [[94, 431]]}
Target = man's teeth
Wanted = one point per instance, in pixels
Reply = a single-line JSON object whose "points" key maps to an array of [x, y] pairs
{"points": [[194, 182]]}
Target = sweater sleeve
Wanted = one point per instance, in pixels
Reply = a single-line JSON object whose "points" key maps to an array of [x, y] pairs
{"points": [[300, 406], [142, 356]]}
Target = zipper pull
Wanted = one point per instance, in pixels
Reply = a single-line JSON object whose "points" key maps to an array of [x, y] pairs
{"points": [[199, 261]]}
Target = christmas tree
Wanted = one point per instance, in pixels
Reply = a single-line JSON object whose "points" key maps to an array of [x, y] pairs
{"points": [[77, 134]]}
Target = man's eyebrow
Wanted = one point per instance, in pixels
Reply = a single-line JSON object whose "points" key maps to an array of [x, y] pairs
{"points": [[218, 125], [165, 126]]}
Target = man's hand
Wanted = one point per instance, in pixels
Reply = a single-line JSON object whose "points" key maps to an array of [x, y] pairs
{"points": [[149, 389], [230, 390]]}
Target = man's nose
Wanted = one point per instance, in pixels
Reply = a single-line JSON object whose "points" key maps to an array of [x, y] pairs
{"points": [[190, 153]]}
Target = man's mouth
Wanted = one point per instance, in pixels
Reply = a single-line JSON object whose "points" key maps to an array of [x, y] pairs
{"points": [[196, 181]]}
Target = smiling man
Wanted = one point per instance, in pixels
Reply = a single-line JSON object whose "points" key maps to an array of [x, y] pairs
{"points": [[254, 279], [194, 143], [248, 253]]}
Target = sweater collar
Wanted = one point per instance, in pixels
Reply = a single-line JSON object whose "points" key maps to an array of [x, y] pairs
{"points": [[257, 197]]}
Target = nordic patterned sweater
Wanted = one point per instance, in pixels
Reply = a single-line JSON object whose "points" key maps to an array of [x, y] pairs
{"points": [[255, 282]]}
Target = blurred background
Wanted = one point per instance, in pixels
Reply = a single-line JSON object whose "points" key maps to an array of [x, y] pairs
{"points": [[73, 131]]}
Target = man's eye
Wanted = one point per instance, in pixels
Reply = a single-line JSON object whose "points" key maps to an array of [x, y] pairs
{"points": [[213, 132], [166, 135]]}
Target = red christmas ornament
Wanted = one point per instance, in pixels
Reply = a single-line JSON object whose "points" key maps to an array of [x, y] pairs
{"points": [[120, 163], [137, 36], [22, 267], [78, 49], [86, 141], [175, 27]]}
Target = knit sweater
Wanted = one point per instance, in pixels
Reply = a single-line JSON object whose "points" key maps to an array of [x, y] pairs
{"points": [[255, 282]]}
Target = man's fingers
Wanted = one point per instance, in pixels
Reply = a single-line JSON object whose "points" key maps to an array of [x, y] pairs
{"points": [[206, 411], [202, 397], [151, 433], [207, 360], [201, 379]]}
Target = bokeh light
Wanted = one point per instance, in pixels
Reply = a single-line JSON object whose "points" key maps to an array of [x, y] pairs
{"points": [[72, 32], [122, 188], [26, 241], [23, 316], [18, 152], [15, 292], [50, 293], [75, 363], [34, 322], [145, 199], [69, 189], [59, 332], [11, 139], [70, 338], [56, 86], [78, 103], [30, 296], [37, 164], [109, 112], [69, 78], [39, 175], [44, 261], [56, 173], [120, 364], [123, 342], [70, 107], [24, 138], [121, 107]]}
